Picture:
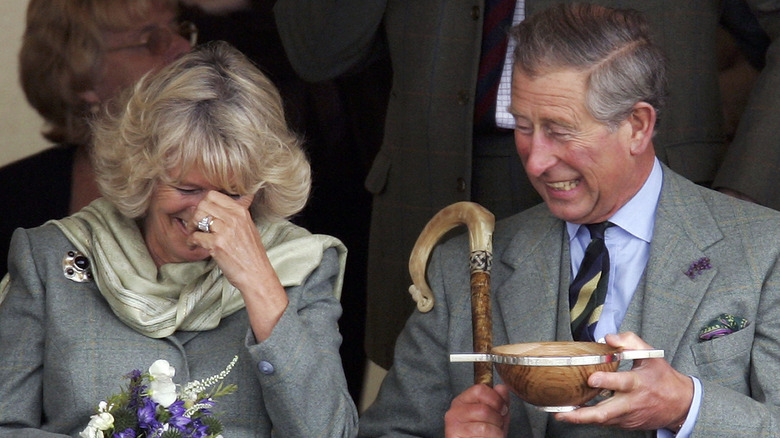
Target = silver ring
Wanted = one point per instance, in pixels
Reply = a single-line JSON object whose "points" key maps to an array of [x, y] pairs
{"points": [[205, 224]]}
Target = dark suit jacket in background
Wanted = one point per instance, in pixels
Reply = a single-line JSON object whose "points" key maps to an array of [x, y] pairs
{"points": [[530, 278], [425, 162], [38, 188]]}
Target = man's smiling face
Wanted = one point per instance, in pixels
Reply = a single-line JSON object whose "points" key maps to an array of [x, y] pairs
{"points": [[583, 170]]}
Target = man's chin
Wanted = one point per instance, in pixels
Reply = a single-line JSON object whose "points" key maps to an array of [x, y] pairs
{"points": [[567, 212]]}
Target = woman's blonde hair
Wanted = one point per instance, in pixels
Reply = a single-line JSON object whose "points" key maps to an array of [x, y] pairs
{"points": [[213, 111], [62, 50]]}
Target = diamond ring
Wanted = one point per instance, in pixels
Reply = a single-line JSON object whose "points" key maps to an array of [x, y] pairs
{"points": [[205, 224]]}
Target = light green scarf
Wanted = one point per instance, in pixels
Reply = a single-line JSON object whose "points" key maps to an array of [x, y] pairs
{"points": [[190, 296]]}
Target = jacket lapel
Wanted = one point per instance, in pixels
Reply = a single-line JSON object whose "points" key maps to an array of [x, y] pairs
{"points": [[527, 296], [684, 229]]}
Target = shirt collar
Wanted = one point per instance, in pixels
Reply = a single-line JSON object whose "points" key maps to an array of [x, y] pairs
{"points": [[637, 216]]}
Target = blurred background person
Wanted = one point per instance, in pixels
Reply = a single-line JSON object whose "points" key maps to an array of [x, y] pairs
{"points": [[749, 169], [76, 56], [188, 258]]}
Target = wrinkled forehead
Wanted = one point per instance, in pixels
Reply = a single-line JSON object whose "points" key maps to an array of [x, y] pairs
{"points": [[119, 15]]}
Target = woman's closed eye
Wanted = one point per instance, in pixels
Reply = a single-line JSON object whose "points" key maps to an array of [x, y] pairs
{"points": [[232, 195], [188, 190]]}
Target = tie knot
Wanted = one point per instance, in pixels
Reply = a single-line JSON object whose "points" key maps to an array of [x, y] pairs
{"points": [[597, 230]]}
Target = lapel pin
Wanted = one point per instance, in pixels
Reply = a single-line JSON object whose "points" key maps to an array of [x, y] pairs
{"points": [[697, 267]]}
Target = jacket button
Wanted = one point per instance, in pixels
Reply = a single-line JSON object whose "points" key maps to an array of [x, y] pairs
{"points": [[461, 185], [265, 367], [475, 13]]}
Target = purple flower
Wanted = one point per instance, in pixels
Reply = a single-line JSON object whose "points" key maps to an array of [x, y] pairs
{"points": [[127, 433], [697, 267], [178, 420], [199, 430], [136, 387], [147, 415], [177, 408]]}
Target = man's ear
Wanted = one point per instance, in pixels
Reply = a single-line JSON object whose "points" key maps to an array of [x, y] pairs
{"points": [[642, 121]]}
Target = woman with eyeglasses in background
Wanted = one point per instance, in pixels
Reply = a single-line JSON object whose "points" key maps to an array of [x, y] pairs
{"points": [[76, 56]]}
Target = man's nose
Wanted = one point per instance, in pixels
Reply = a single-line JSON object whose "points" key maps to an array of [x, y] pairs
{"points": [[539, 154]]}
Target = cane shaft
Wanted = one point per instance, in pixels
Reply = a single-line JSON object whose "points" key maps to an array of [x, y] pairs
{"points": [[482, 324]]}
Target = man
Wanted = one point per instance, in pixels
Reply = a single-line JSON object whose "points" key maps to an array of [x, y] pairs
{"points": [[433, 155], [587, 90]]}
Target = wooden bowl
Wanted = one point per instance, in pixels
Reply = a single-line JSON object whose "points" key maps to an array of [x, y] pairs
{"points": [[554, 375]]}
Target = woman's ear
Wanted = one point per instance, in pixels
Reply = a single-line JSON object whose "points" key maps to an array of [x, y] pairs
{"points": [[89, 96], [642, 121]]}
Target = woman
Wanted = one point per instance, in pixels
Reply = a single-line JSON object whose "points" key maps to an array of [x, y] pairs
{"points": [[76, 56], [187, 258]]}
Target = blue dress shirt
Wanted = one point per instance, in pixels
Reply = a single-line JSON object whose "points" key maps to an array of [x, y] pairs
{"points": [[628, 243]]}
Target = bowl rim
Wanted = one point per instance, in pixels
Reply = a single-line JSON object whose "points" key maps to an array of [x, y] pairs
{"points": [[555, 361], [610, 356]]}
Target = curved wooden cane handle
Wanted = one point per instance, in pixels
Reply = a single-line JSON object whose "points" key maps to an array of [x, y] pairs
{"points": [[480, 223]]}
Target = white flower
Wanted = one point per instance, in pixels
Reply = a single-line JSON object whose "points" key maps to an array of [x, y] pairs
{"points": [[91, 432], [161, 387], [102, 421], [161, 369], [163, 393], [97, 424]]}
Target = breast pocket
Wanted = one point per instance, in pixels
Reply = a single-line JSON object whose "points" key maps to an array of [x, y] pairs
{"points": [[726, 359]]}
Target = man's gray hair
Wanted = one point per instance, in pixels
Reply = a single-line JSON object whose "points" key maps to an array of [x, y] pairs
{"points": [[613, 46]]}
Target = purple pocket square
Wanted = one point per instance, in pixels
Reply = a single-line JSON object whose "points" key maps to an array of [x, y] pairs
{"points": [[723, 325]]}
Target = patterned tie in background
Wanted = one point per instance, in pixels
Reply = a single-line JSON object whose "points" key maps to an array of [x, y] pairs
{"points": [[495, 36], [589, 288]]}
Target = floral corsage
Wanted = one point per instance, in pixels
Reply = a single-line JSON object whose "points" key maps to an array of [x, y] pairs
{"points": [[153, 406]]}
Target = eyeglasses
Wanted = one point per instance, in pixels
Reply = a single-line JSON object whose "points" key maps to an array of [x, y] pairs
{"points": [[159, 39]]}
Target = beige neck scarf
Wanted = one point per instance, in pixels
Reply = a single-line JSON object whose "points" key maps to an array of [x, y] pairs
{"points": [[191, 296]]}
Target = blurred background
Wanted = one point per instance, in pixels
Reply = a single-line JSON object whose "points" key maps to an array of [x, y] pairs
{"points": [[20, 125]]}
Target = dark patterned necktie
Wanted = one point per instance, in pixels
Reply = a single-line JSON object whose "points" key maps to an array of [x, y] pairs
{"points": [[495, 37], [589, 288]]}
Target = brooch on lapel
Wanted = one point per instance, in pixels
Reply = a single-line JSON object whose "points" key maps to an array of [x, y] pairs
{"points": [[697, 267], [76, 267], [723, 325]]}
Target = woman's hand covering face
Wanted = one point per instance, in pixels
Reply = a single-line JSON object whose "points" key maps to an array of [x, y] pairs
{"points": [[235, 244]]}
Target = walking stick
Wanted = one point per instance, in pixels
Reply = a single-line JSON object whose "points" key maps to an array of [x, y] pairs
{"points": [[480, 223]]}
